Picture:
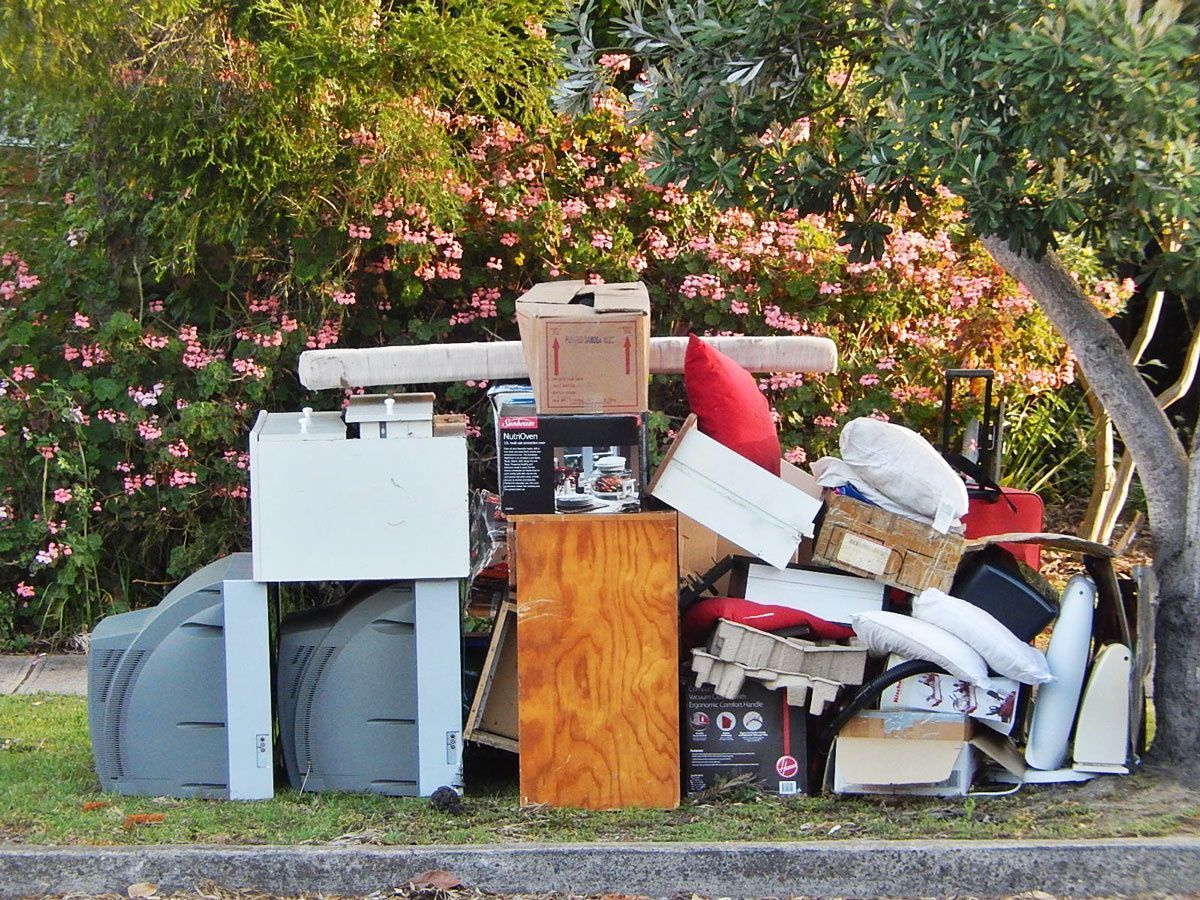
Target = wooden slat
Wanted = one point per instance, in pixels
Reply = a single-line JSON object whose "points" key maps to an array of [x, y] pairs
{"points": [[493, 717], [597, 626]]}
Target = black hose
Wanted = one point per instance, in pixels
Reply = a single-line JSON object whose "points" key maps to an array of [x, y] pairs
{"points": [[868, 693]]}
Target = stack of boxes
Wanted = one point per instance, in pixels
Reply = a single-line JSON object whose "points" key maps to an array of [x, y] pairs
{"points": [[580, 446]]}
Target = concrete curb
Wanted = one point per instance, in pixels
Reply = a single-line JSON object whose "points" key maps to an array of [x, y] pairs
{"points": [[847, 868], [47, 673]]}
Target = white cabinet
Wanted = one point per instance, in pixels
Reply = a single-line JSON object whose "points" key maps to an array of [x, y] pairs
{"points": [[325, 507]]}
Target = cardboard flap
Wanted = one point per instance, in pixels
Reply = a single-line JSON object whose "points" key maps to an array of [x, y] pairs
{"points": [[1046, 539], [798, 478], [882, 761], [1001, 750], [553, 299], [904, 724]]}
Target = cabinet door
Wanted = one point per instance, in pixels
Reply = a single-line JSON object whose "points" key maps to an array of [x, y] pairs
{"points": [[597, 627]]}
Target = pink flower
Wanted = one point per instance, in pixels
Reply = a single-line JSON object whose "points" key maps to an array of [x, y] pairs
{"points": [[62, 495], [344, 298], [869, 379], [81, 321], [24, 590], [149, 430], [495, 263], [602, 240], [181, 478], [178, 449], [797, 456], [825, 422], [156, 306], [508, 239]]}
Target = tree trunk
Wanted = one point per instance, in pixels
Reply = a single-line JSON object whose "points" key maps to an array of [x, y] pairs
{"points": [[1157, 451], [1172, 484], [1176, 747]]}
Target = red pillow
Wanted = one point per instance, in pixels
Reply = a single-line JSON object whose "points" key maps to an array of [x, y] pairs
{"points": [[701, 618], [729, 406]]}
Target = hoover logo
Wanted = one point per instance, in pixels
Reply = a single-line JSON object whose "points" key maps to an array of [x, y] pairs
{"points": [[528, 422]]}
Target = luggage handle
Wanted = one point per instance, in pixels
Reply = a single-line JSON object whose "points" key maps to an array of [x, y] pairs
{"points": [[990, 427], [988, 489]]}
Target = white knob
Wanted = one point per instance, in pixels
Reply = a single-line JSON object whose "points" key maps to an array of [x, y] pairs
{"points": [[307, 412], [388, 403]]}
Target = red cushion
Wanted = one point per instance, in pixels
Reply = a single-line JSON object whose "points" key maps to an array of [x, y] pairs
{"points": [[701, 618], [728, 405]]}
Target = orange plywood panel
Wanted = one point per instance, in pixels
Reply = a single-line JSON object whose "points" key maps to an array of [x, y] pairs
{"points": [[597, 627]]}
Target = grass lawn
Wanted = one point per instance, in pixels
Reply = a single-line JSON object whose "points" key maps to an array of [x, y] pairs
{"points": [[49, 795]]}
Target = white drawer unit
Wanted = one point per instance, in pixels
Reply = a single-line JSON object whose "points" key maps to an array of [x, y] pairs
{"points": [[326, 507]]}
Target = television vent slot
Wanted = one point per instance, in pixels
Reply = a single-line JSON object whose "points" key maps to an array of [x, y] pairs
{"points": [[386, 782], [205, 785], [204, 628], [114, 720], [106, 667], [391, 721], [304, 757], [199, 724], [300, 662], [392, 626]]}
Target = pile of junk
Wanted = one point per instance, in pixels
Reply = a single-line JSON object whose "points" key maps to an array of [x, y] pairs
{"points": [[877, 624]]}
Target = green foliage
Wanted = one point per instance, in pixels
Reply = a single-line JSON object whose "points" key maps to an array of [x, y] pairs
{"points": [[1051, 118], [126, 405]]}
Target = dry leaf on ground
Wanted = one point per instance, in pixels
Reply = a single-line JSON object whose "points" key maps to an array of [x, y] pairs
{"points": [[436, 880], [141, 889]]}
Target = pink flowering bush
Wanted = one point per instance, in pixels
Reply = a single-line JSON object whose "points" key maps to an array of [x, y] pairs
{"points": [[125, 401]]}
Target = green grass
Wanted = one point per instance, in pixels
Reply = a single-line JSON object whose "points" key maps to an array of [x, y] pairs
{"points": [[46, 779]]}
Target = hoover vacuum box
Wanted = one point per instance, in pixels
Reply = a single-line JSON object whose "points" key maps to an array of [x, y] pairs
{"points": [[756, 734], [570, 464]]}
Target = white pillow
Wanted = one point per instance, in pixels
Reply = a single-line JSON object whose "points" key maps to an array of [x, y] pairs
{"points": [[904, 467], [1006, 653], [885, 632]]}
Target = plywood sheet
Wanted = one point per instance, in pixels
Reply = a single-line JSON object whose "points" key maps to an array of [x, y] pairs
{"points": [[597, 626]]}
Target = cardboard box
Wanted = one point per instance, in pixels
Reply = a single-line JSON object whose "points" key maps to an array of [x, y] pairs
{"points": [[903, 752], [587, 346], [995, 705], [917, 754], [866, 540], [741, 501], [757, 734], [552, 464]]}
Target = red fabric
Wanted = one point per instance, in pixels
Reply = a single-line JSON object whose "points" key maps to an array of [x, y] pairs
{"points": [[729, 406], [984, 518], [701, 618]]}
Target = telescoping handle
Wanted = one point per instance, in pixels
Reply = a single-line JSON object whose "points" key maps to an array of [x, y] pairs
{"points": [[989, 440]]}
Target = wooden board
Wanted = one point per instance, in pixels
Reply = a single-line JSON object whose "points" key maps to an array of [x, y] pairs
{"points": [[597, 625], [493, 717]]}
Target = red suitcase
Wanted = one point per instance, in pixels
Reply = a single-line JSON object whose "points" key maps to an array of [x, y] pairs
{"points": [[1014, 511]]}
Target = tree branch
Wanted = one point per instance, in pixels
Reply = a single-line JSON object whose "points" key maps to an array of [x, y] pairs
{"points": [[1144, 427]]}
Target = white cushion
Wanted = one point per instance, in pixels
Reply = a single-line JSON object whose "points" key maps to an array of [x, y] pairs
{"points": [[898, 469], [1006, 653], [885, 632]]}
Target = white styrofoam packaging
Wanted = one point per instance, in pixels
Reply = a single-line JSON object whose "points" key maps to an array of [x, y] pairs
{"points": [[739, 500], [325, 507]]}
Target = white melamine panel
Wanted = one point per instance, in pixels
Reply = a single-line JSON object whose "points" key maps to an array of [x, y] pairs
{"points": [[358, 510]]}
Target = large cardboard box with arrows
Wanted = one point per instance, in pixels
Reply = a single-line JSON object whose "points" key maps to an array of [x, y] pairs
{"points": [[587, 346]]}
